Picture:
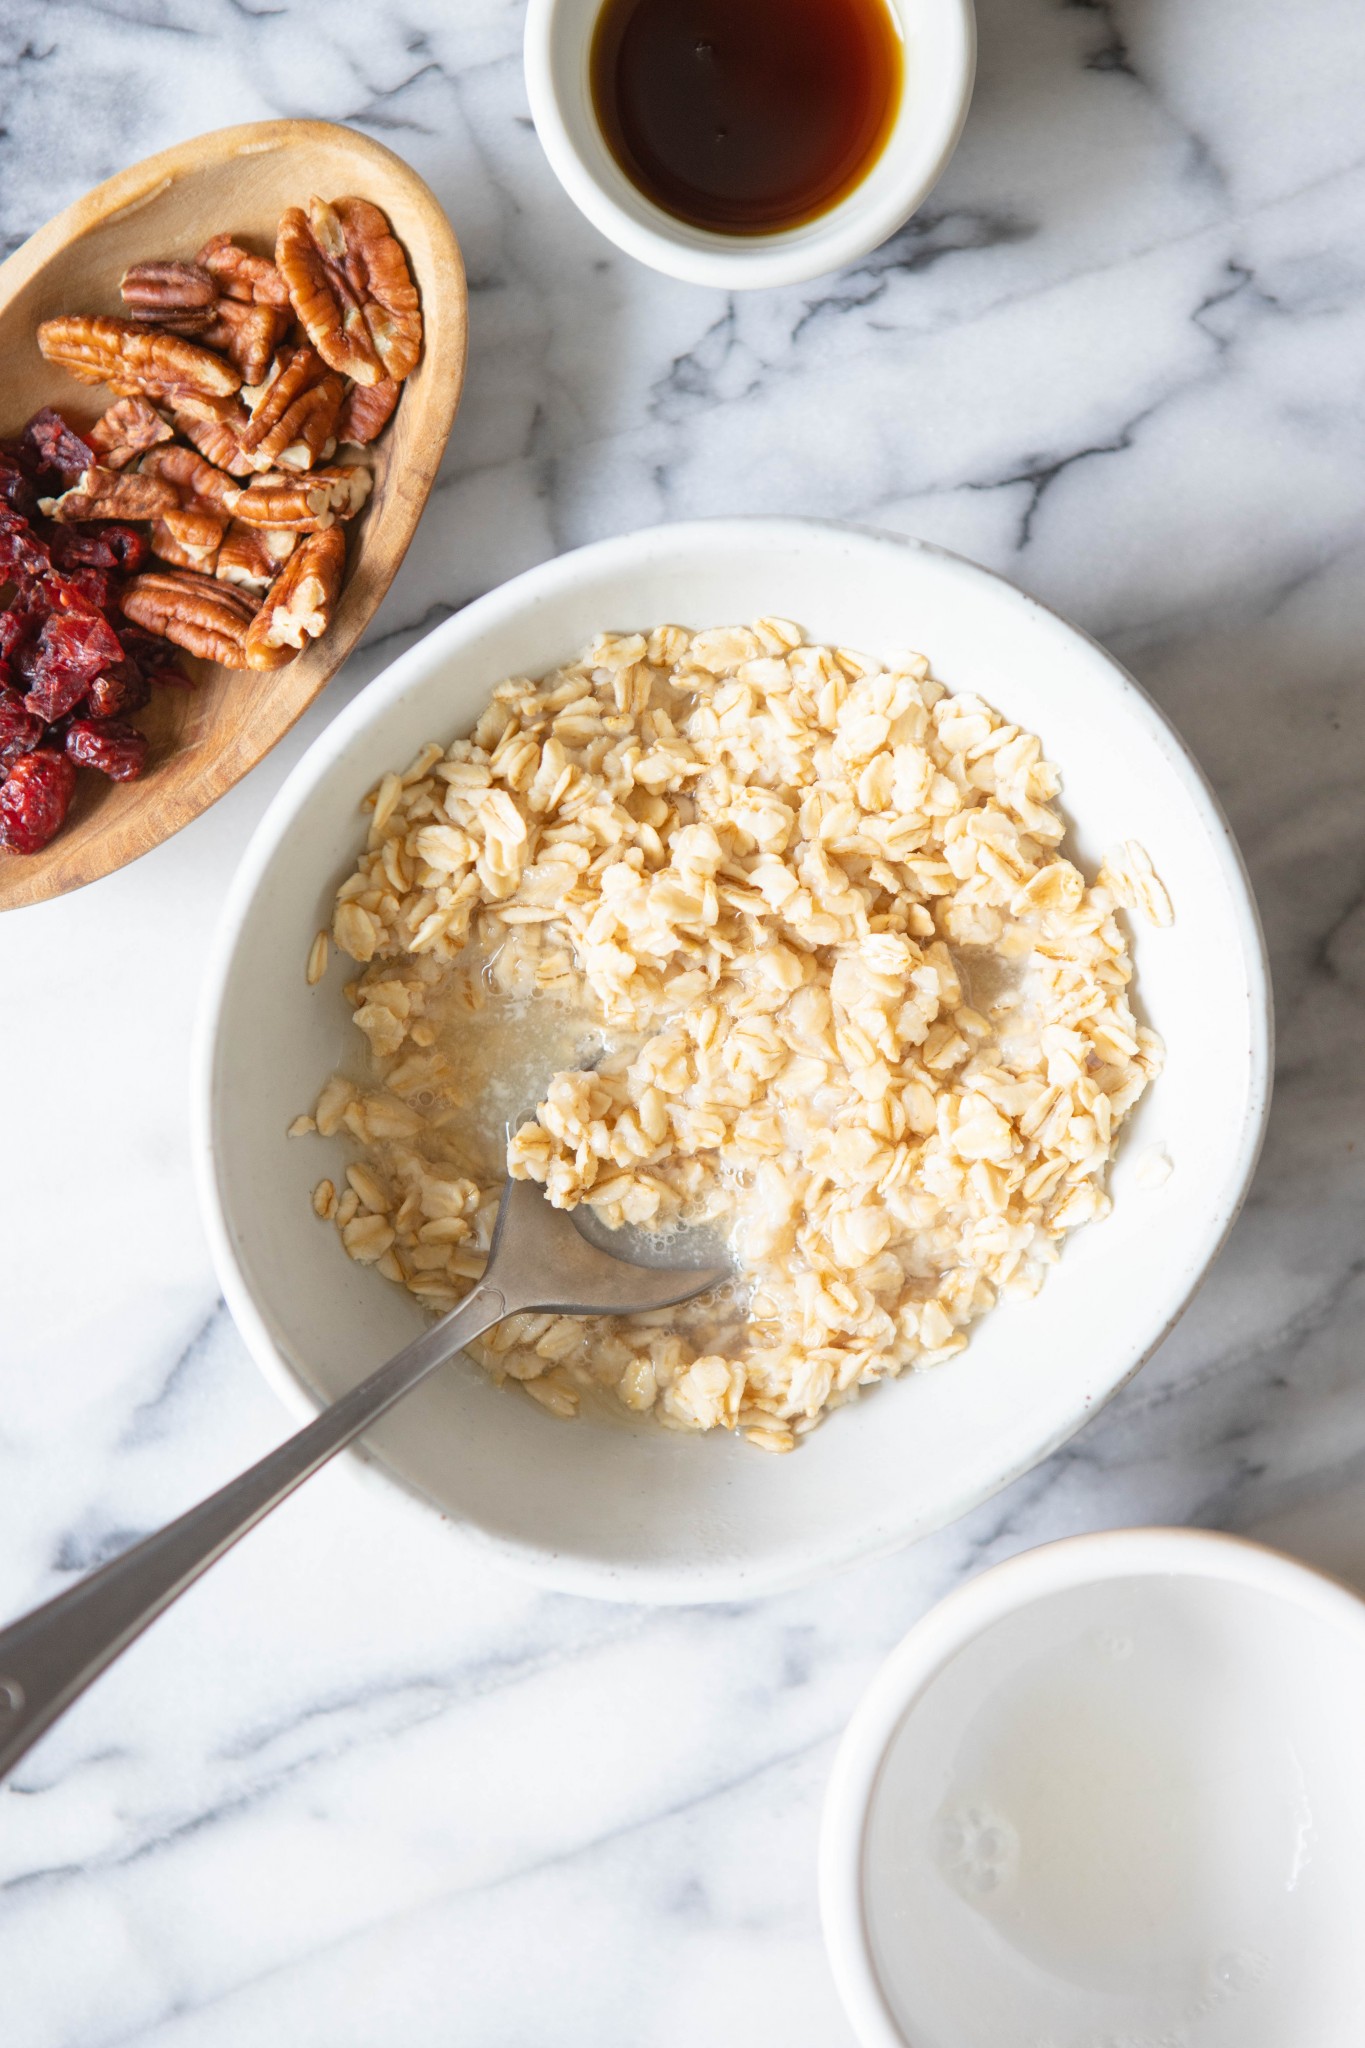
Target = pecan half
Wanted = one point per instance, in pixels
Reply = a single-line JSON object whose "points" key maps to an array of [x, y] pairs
{"points": [[251, 556], [132, 358], [294, 410], [240, 275], [248, 335], [197, 482], [189, 538], [178, 296], [365, 412], [111, 494], [299, 604], [195, 612], [349, 284], [128, 427]]}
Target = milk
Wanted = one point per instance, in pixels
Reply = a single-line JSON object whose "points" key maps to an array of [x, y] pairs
{"points": [[1126, 1817]]}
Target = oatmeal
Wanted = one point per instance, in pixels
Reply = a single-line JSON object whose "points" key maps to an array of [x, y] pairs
{"points": [[725, 927]]}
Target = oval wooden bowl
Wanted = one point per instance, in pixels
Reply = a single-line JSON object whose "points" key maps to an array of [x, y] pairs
{"points": [[236, 180]]}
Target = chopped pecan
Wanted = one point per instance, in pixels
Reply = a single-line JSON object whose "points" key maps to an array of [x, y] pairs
{"points": [[294, 410], [348, 485], [251, 555], [349, 284], [299, 604], [302, 454], [196, 481], [292, 504], [248, 335], [132, 358], [286, 378], [366, 411], [125, 430], [215, 427], [240, 275], [177, 296], [308, 503], [195, 612], [188, 538], [111, 494], [204, 405]]}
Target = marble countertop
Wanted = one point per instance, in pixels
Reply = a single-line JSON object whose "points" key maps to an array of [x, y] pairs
{"points": [[362, 1786]]}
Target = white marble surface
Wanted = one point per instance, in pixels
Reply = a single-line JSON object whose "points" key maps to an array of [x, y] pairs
{"points": [[362, 1787]]}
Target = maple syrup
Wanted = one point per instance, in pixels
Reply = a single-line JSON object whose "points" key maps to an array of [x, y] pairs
{"points": [[746, 116]]}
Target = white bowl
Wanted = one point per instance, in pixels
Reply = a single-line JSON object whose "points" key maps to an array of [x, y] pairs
{"points": [[645, 1514], [940, 63], [1110, 1792]]}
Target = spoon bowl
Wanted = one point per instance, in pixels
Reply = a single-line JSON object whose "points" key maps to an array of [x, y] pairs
{"points": [[239, 180]]}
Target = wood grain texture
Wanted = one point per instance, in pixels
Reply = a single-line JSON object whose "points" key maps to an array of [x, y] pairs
{"points": [[205, 739]]}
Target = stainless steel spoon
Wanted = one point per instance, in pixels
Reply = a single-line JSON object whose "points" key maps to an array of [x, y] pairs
{"points": [[539, 1260]]}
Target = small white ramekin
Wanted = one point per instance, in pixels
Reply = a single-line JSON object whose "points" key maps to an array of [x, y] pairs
{"points": [[853, 1856], [940, 63]]}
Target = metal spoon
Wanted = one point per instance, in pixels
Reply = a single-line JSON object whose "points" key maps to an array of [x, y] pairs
{"points": [[539, 1260]]}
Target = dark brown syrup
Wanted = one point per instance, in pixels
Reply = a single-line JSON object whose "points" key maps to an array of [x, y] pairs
{"points": [[746, 116]]}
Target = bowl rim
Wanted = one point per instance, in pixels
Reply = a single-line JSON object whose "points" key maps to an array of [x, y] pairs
{"points": [[852, 228], [687, 1584], [948, 1627]]}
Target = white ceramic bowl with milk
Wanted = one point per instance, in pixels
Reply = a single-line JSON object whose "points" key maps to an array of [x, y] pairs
{"points": [[642, 1513], [1110, 1794]]}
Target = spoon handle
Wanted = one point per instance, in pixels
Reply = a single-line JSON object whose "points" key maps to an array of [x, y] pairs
{"points": [[48, 1657]]}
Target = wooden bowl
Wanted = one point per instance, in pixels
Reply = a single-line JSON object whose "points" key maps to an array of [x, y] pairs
{"points": [[236, 180]]}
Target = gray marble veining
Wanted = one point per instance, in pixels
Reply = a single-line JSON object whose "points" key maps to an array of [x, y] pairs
{"points": [[363, 1786]]}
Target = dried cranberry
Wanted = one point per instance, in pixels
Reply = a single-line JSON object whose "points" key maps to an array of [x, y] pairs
{"points": [[35, 799], [94, 586], [56, 693], [20, 728], [116, 749], [131, 546], [121, 688], [72, 648], [19, 622], [14, 630], [16, 489], [154, 657], [100, 545], [15, 449], [22, 554], [74, 547], [82, 638], [57, 446]]}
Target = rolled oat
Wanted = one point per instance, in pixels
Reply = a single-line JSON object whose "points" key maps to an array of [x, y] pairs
{"points": [[857, 1007]]}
